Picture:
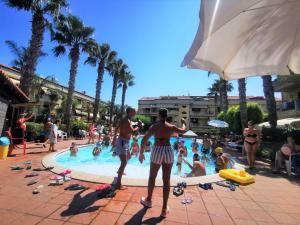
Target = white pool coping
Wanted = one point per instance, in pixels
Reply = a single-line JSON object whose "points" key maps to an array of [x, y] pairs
{"points": [[49, 161]]}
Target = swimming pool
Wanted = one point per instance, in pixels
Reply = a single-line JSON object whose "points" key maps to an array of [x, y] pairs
{"points": [[107, 165]]}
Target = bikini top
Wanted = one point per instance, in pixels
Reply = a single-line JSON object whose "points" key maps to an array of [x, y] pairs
{"points": [[135, 147]]}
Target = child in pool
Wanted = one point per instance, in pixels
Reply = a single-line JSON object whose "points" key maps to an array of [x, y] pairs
{"points": [[148, 146], [179, 161], [73, 149], [222, 162], [97, 150], [135, 147], [106, 140], [183, 148]]}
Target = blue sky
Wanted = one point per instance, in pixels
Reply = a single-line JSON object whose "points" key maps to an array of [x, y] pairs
{"points": [[151, 36]]}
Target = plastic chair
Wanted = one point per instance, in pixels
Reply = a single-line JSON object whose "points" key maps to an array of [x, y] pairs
{"points": [[288, 163]]}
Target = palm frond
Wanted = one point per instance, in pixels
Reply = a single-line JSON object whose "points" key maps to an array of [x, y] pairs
{"points": [[59, 50], [91, 61], [20, 4]]}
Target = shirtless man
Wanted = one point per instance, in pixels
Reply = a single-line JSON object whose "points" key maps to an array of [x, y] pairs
{"points": [[122, 143], [198, 168]]}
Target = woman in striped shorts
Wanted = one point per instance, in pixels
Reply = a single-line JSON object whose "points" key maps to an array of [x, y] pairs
{"points": [[161, 155]]}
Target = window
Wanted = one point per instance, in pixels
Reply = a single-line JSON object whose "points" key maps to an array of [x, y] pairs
{"points": [[196, 110], [183, 106], [184, 112]]}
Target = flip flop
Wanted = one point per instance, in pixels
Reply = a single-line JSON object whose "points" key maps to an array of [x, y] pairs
{"points": [[206, 186], [37, 189], [65, 172], [177, 191], [33, 174], [71, 186], [32, 182], [145, 203], [78, 187], [164, 214], [189, 200], [16, 167], [28, 162], [184, 201], [225, 184], [28, 167]]}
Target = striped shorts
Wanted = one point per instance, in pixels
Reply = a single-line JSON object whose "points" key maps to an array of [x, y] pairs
{"points": [[162, 154]]}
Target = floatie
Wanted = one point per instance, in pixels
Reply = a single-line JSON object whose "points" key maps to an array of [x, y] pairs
{"points": [[239, 176]]}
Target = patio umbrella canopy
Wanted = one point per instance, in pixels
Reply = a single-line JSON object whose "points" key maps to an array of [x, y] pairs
{"points": [[189, 134], [218, 123], [240, 38]]}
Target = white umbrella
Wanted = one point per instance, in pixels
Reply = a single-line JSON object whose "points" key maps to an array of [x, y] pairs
{"points": [[189, 134], [218, 123], [240, 38]]}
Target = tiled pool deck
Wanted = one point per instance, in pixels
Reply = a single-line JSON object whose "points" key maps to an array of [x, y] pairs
{"points": [[273, 199]]}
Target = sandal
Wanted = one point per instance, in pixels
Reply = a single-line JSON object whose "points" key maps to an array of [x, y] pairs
{"points": [[164, 212], [177, 191], [145, 203], [206, 186], [33, 174], [32, 182], [16, 167], [189, 200]]}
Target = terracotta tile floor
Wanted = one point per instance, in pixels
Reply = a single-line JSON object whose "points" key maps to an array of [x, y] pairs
{"points": [[271, 200]]}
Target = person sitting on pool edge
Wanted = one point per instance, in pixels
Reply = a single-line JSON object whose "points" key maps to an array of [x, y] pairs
{"points": [[198, 168], [122, 145]]}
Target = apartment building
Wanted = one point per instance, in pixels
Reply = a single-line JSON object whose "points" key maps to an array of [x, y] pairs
{"points": [[48, 86], [289, 86], [197, 110]]}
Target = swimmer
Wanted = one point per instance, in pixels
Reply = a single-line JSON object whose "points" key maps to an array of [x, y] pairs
{"points": [[148, 146], [195, 145], [179, 161], [135, 147], [97, 151], [206, 144], [183, 148], [222, 162], [73, 149]]}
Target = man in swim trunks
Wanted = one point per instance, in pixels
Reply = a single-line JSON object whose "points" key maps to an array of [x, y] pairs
{"points": [[122, 143]]}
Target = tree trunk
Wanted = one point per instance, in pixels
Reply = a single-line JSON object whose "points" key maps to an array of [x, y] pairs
{"points": [[73, 72], [243, 102], [223, 95], [98, 90], [113, 98], [33, 51], [270, 100], [124, 89]]}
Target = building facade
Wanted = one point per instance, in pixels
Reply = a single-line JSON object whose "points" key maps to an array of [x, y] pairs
{"points": [[289, 86], [197, 110], [51, 94]]}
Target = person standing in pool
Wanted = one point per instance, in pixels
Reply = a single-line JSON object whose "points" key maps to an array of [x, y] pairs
{"points": [[122, 144], [162, 155]]}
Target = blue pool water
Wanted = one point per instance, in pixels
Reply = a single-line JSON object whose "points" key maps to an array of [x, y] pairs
{"points": [[107, 165]]}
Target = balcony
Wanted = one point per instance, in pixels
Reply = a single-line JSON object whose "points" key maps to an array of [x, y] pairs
{"points": [[289, 109]]}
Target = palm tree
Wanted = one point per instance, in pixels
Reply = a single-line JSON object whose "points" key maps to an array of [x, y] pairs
{"points": [[70, 32], [102, 56], [115, 68], [219, 89], [270, 100], [127, 80], [39, 10], [243, 102]]}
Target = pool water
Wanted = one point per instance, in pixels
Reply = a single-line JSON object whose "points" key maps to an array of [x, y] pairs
{"points": [[107, 165]]}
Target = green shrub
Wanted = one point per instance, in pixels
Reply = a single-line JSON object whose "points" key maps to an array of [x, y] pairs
{"points": [[79, 125], [33, 130], [265, 117], [145, 119], [232, 116], [221, 116]]}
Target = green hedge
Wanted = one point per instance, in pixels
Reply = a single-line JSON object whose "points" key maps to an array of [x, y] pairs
{"points": [[79, 125], [232, 116], [34, 128], [145, 119]]}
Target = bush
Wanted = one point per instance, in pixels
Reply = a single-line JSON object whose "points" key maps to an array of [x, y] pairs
{"points": [[33, 130], [79, 125], [145, 119], [232, 116], [280, 134]]}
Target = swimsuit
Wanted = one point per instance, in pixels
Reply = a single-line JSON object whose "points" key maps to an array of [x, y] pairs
{"points": [[162, 154], [122, 146], [251, 143], [252, 136]]}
